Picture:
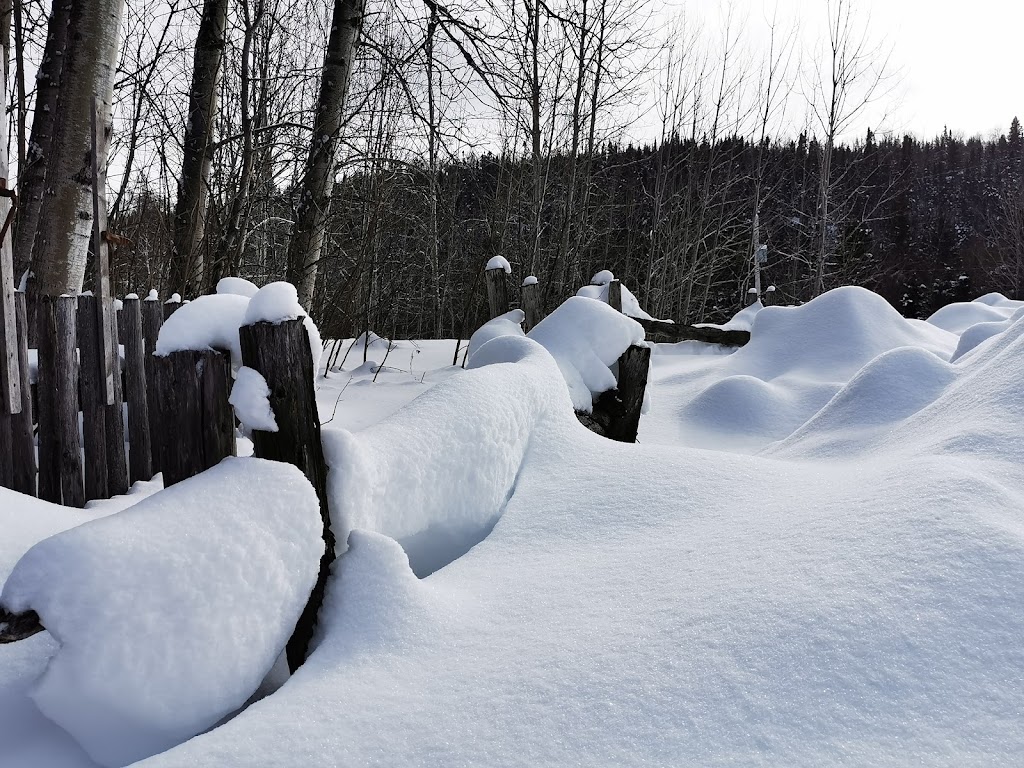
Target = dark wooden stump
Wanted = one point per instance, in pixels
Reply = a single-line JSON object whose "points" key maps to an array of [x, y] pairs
{"points": [[616, 413], [117, 464], [23, 442], [152, 319], [196, 421], [615, 295], [94, 402], [140, 461], [18, 626], [497, 291], [530, 299], [281, 354]]}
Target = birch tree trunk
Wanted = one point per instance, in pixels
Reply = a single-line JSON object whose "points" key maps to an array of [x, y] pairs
{"points": [[190, 210], [44, 117], [315, 195], [90, 58]]}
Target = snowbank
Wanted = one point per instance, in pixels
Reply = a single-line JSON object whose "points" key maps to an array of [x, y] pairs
{"points": [[961, 315], [170, 613], [586, 338], [977, 334], [509, 324], [238, 286]]}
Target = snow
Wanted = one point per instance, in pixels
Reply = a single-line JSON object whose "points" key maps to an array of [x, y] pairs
{"points": [[508, 324], [959, 316], [238, 286], [209, 322], [529, 280], [250, 398], [630, 306], [134, 296], [978, 333], [175, 299], [515, 590], [277, 302], [169, 614], [602, 278], [152, 295], [499, 262]]}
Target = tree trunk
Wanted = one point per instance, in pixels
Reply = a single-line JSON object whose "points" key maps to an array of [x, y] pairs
{"points": [[33, 174], [190, 210], [315, 195]]}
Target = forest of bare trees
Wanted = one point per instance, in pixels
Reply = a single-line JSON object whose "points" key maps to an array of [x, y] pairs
{"points": [[378, 155]]}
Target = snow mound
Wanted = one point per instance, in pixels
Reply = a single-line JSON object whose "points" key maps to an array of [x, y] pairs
{"points": [[250, 398], [509, 324], [603, 277], [961, 315], [529, 280], [238, 286], [982, 332], [277, 302], [831, 337], [170, 613], [499, 262], [209, 322], [436, 475], [998, 300], [586, 338], [744, 319], [630, 306]]}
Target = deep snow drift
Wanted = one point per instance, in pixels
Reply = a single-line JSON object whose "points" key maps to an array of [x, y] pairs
{"points": [[855, 596]]}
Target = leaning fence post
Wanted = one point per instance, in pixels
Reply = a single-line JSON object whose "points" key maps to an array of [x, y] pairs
{"points": [[192, 399], [496, 272], [117, 465], [280, 353], [530, 302], [24, 443], [94, 403], [140, 462], [152, 320]]}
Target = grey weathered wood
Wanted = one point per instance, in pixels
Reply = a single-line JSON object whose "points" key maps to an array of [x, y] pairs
{"points": [[7, 447], [152, 320], [616, 413], [170, 307], [46, 392], [24, 443], [197, 422], [117, 465], [93, 400], [497, 291], [140, 462], [18, 626], [615, 295], [66, 376], [109, 359], [530, 301], [281, 354], [659, 330]]}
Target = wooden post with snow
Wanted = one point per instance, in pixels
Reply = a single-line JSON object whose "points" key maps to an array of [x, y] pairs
{"points": [[530, 302], [23, 441], [616, 413], [172, 305], [140, 462], [615, 295], [93, 396], [280, 353], [196, 420], [496, 273], [117, 465], [152, 320]]}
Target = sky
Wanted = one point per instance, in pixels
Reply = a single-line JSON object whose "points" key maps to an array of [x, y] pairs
{"points": [[960, 63]]}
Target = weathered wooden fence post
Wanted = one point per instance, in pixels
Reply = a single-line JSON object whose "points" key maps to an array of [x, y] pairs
{"points": [[140, 461], [172, 305], [196, 421], [497, 287], [280, 353], [615, 295], [117, 464], [616, 413], [152, 320], [94, 400], [530, 301], [24, 444], [60, 466]]}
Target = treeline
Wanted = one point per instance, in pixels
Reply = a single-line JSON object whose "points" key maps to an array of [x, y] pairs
{"points": [[922, 223]]}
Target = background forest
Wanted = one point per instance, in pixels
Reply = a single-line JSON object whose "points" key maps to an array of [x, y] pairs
{"points": [[568, 138]]}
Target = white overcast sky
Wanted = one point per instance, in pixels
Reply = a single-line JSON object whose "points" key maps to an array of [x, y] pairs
{"points": [[961, 61]]}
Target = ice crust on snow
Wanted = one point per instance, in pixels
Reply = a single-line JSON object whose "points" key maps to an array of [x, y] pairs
{"points": [[250, 397], [238, 286], [169, 614], [499, 262]]}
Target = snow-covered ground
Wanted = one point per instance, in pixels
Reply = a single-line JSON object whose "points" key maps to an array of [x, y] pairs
{"points": [[838, 580]]}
